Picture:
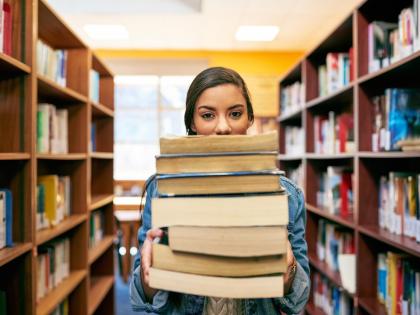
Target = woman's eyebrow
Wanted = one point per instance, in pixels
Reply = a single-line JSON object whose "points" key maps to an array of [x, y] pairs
{"points": [[206, 107], [236, 105]]}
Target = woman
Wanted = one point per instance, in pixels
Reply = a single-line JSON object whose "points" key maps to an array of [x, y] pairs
{"points": [[218, 103]]}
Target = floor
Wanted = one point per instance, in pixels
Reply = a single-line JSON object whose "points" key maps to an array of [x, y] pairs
{"points": [[123, 305]]}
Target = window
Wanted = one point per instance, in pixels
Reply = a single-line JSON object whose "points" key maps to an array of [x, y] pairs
{"points": [[147, 108]]}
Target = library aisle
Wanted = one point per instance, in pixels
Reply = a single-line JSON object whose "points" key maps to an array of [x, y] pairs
{"points": [[346, 108]]}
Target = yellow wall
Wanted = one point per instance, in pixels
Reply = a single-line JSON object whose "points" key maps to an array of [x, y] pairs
{"points": [[261, 70], [246, 63]]}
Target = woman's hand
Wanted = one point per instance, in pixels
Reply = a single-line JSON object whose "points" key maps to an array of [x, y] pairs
{"points": [[146, 261], [289, 276]]}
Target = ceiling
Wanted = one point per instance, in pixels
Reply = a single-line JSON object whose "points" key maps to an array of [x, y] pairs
{"points": [[206, 24]]}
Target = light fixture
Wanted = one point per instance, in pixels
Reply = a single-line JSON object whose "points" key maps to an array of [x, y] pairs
{"points": [[106, 31], [257, 33]]}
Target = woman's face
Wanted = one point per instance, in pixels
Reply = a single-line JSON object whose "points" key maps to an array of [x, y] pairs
{"points": [[221, 110]]}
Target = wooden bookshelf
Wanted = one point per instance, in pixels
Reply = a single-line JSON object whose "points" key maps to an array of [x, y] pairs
{"points": [[10, 67], [10, 253], [98, 201], [100, 248], [367, 166], [99, 287], [22, 88], [48, 303]]}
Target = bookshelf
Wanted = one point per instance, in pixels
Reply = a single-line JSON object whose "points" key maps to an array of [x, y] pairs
{"points": [[367, 166], [89, 287]]}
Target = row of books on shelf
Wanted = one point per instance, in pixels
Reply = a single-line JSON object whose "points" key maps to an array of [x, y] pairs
{"points": [[6, 23], [336, 73], [53, 265], [53, 200], [52, 129], [334, 133], [96, 228], [52, 63], [333, 240], [335, 192], [292, 98], [6, 218], [296, 175], [396, 120], [294, 140], [398, 286], [197, 208], [330, 298], [389, 41], [399, 210]]}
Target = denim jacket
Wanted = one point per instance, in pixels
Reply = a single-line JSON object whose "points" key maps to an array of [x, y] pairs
{"points": [[292, 303]]}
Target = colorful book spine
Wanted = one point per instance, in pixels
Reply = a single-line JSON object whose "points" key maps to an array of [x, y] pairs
{"points": [[292, 98], [52, 129], [94, 80], [52, 63]]}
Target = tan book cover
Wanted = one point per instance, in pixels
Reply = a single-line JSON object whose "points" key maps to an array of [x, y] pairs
{"points": [[219, 183], [270, 209], [243, 241], [167, 259], [228, 162], [220, 143], [235, 288]]}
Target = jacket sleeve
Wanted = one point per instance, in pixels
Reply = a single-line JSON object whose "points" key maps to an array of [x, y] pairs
{"points": [[296, 299], [138, 299]]}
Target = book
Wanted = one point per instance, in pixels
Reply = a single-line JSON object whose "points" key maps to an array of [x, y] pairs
{"points": [[219, 183], [7, 239], [236, 288], [264, 209], [2, 220], [56, 197], [7, 26], [215, 162], [220, 143], [94, 85], [243, 241], [167, 259]]}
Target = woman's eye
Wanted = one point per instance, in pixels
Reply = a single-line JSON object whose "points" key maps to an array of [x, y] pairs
{"points": [[207, 116], [236, 114]]}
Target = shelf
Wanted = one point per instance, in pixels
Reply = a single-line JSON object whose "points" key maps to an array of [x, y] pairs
{"points": [[322, 267], [288, 157], [99, 287], [14, 156], [387, 155], [320, 156], [12, 67], [67, 224], [405, 64], [100, 110], [372, 306], [311, 309], [403, 243], [49, 89], [8, 254], [346, 221], [290, 116], [102, 155], [98, 201], [49, 302], [100, 248], [64, 157], [343, 95]]}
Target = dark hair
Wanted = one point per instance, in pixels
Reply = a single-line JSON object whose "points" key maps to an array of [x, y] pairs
{"points": [[209, 78]]}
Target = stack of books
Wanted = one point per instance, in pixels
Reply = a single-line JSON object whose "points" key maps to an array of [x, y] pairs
{"points": [[224, 214]]}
